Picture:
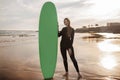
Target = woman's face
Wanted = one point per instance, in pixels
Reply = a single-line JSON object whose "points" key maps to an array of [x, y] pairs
{"points": [[66, 22]]}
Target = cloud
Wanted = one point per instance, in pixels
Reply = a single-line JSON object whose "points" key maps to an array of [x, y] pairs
{"points": [[74, 4], [17, 15], [75, 10], [24, 14]]}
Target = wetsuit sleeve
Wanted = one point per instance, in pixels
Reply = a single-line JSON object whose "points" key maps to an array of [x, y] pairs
{"points": [[72, 36]]}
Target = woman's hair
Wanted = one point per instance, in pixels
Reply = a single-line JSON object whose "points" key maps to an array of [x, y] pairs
{"points": [[69, 29], [67, 20]]}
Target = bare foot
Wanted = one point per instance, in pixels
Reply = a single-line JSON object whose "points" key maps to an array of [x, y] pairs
{"points": [[79, 76], [66, 74]]}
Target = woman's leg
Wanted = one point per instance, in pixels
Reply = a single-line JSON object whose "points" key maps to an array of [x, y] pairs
{"points": [[71, 53], [64, 56]]}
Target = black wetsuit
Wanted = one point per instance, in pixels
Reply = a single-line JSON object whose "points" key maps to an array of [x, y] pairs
{"points": [[65, 45]]}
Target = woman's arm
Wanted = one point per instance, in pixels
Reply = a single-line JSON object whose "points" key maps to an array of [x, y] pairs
{"points": [[72, 36], [59, 33]]}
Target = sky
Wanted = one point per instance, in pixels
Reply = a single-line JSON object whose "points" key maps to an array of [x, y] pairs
{"points": [[24, 14]]}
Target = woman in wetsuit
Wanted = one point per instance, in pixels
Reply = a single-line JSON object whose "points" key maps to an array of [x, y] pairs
{"points": [[66, 44]]}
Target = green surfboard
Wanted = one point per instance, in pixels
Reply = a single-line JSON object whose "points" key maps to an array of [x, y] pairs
{"points": [[48, 39]]}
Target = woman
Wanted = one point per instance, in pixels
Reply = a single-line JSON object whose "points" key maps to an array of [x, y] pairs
{"points": [[66, 44]]}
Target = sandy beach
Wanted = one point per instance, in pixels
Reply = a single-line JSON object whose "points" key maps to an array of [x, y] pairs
{"points": [[98, 59]]}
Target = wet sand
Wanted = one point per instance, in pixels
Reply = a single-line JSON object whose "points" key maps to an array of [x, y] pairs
{"points": [[19, 59]]}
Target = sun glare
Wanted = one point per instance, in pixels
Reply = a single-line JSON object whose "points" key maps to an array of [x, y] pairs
{"points": [[108, 62], [107, 46]]}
